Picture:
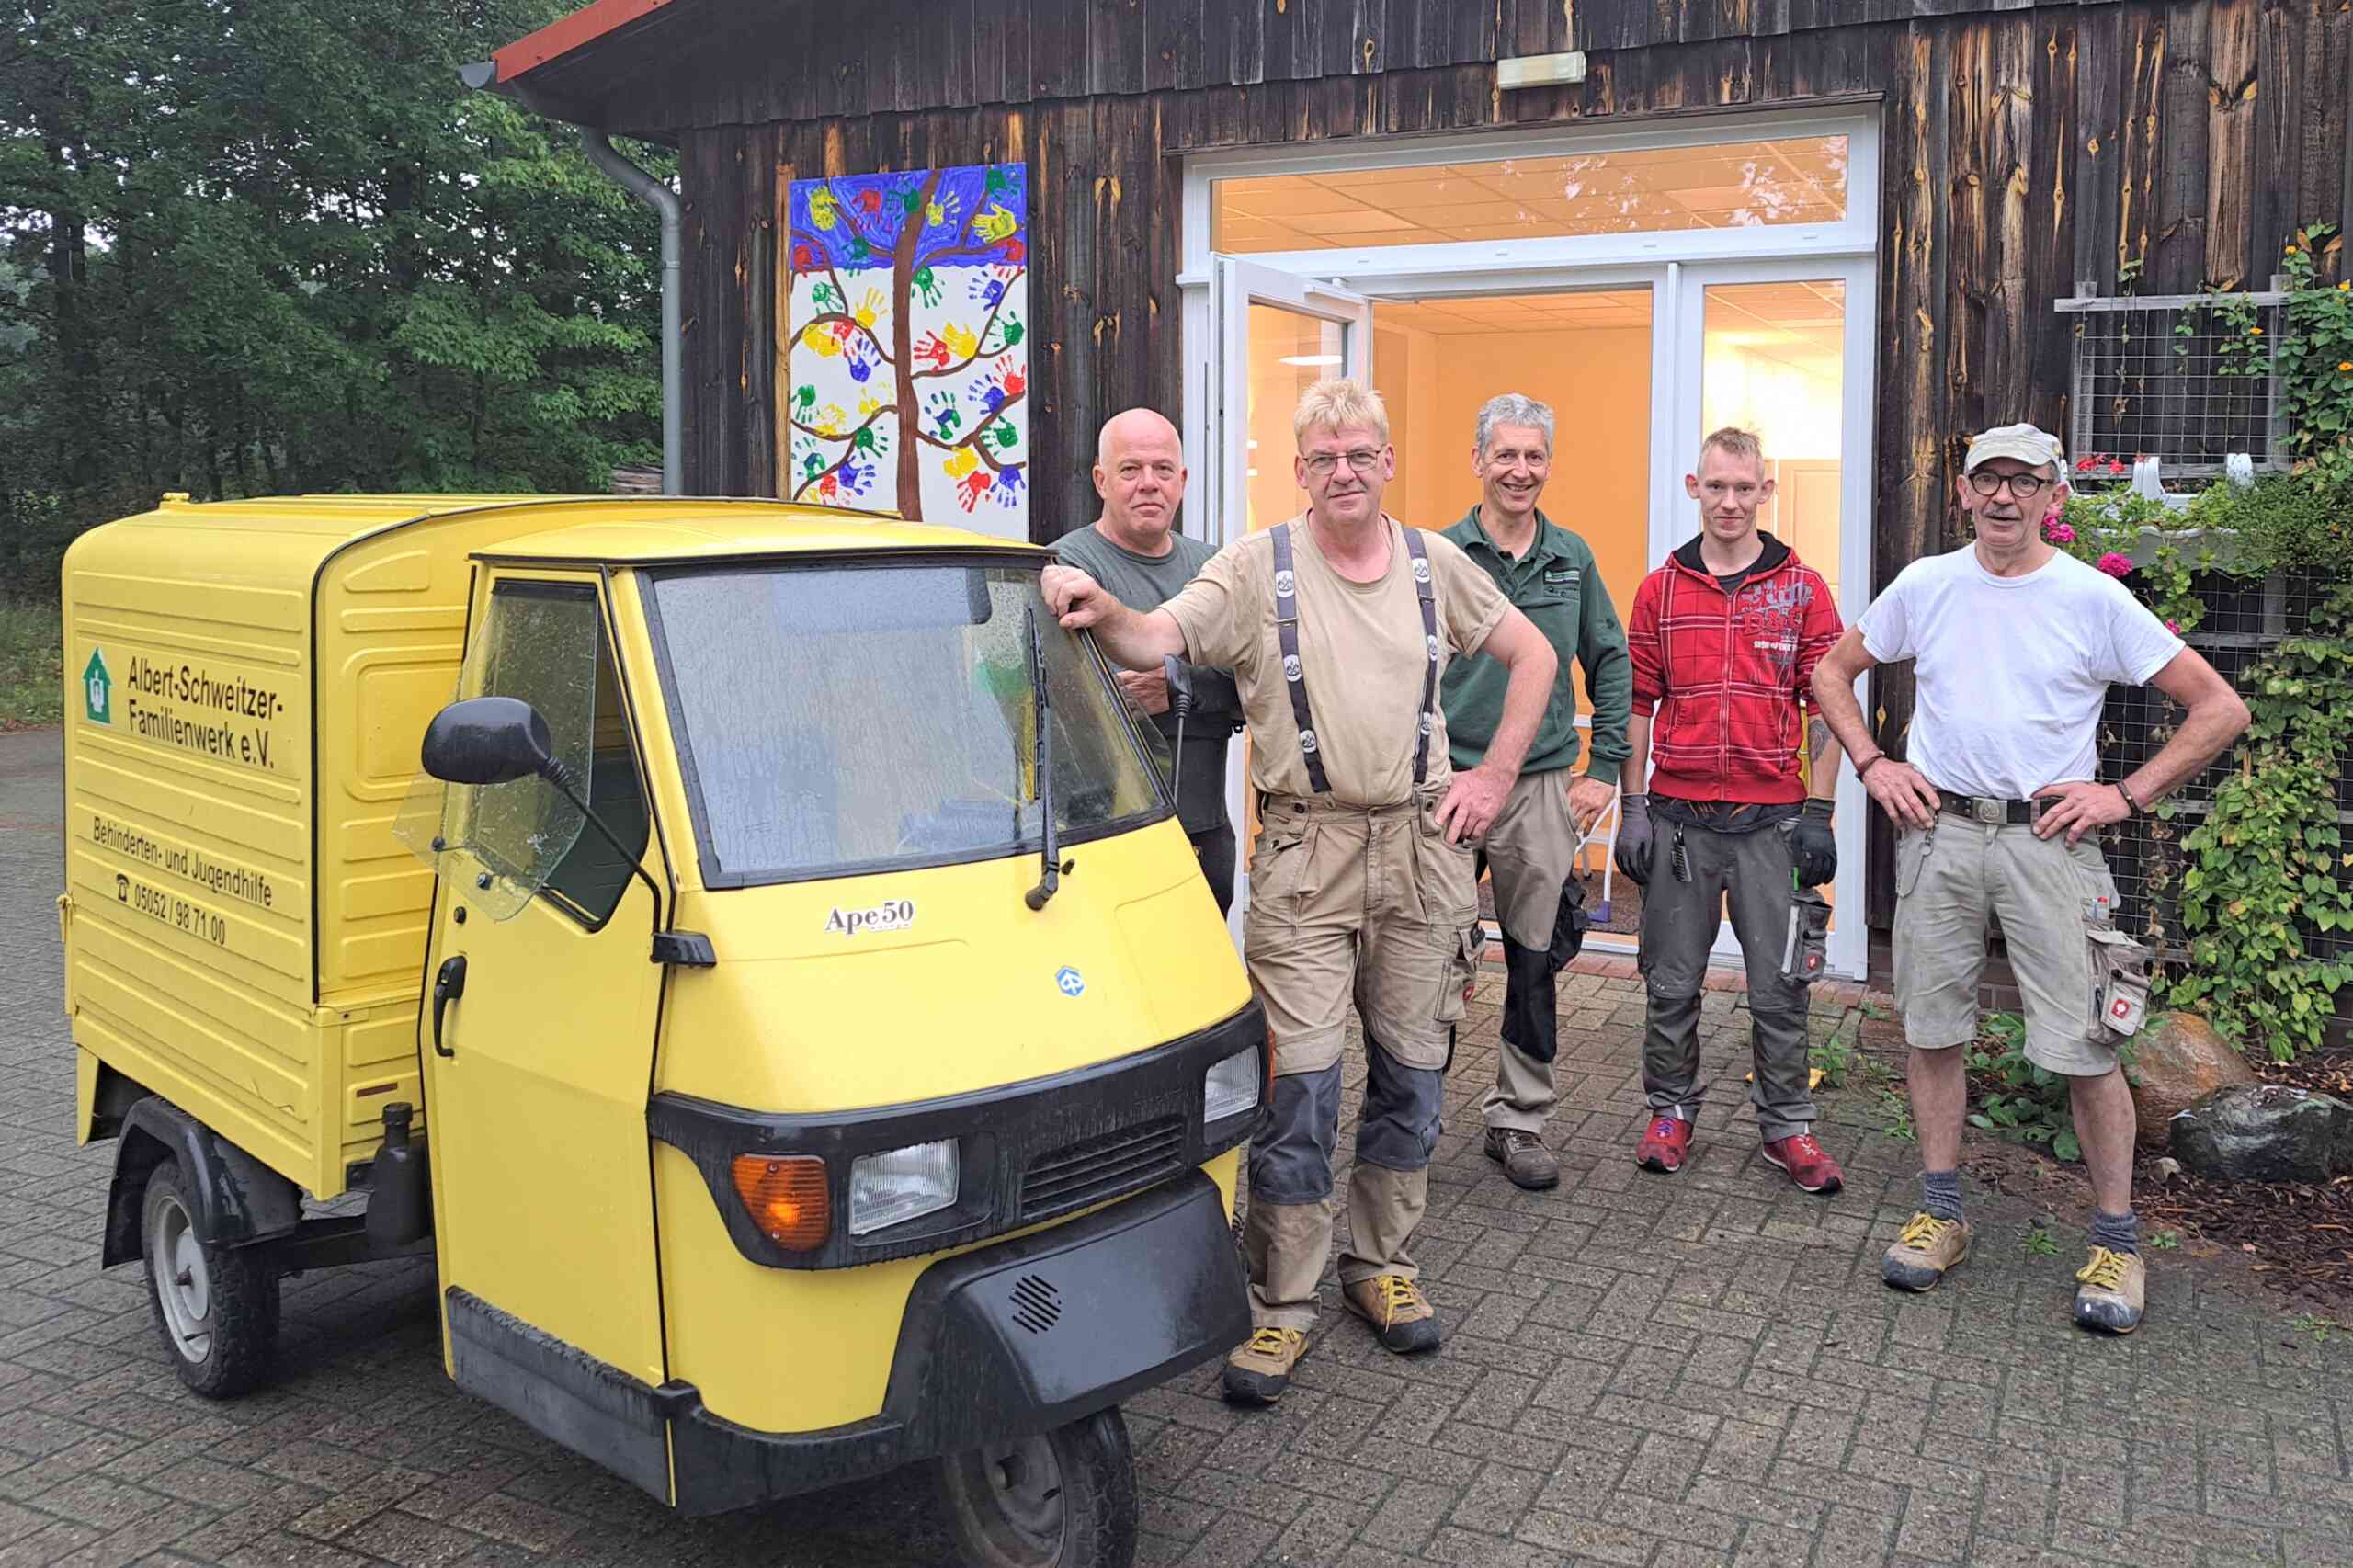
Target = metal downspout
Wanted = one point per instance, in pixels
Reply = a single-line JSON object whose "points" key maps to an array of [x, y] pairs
{"points": [[665, 201]]}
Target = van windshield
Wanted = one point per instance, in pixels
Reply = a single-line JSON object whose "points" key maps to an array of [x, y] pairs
{"points": [[836, 718]]}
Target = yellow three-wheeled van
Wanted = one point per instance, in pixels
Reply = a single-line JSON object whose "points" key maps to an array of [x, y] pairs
{"points": [[747, 945]]}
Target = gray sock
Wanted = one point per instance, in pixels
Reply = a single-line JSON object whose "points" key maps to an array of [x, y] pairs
{"points": [[2116, 1232], [1941, 1193]]}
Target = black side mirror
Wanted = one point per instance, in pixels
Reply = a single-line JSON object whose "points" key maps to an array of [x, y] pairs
{"points": [[488, 740]]}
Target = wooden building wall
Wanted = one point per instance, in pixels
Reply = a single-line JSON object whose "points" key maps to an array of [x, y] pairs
{"points": [[2024, 147]]}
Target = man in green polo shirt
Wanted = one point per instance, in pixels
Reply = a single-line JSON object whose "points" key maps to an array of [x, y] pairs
{"points": [[1530, 851]]}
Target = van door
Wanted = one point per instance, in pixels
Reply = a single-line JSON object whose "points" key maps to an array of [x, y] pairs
{"points": [[538, 1068]]}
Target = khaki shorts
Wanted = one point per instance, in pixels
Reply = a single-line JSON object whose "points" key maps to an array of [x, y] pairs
{"points": [[2051, 898], [1372, 906]]}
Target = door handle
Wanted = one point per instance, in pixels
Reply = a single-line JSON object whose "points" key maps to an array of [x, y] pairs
{"points": [[449, 984]]}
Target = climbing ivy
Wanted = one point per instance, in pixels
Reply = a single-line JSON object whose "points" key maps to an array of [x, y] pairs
{"points": [[2264, 866]]}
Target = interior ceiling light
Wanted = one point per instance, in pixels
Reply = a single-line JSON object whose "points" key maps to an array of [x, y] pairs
{"points": [[1309, 360]]}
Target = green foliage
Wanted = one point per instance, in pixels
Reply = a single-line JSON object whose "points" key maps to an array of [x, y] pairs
{"points": [[1833, 1058], [2318, 1326], [2265, 864], [2026, 1103], [2316, 364], [252, 247], [2161, 1241], [2039, 1242], [32, 672], [1895, 1112]]}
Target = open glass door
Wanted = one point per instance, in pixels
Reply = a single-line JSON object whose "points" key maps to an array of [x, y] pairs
{"points": [[1770, 347], [1278, 334]]}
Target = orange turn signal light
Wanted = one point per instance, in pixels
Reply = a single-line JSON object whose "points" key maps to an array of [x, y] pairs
{"points": [[786, 1194]]}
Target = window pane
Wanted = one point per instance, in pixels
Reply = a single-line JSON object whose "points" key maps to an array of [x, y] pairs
{"points": [[1726, 185], [539, 643], [1288, 352], [861, 717]]}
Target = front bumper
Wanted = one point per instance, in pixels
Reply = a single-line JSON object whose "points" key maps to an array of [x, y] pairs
{"points": [[1003, 1342]]}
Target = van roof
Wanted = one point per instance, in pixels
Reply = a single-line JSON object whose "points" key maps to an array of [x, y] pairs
{"points": [[601, 528]]}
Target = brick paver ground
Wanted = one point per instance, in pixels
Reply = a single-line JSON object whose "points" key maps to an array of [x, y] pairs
{"points": [[1662, 1374]]}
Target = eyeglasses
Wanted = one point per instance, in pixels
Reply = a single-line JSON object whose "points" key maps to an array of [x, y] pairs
{"points": [[1361, 461], [2025, 486]]}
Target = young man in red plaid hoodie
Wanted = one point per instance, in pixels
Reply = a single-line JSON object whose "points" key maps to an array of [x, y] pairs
{"points": [[1725, 638]]}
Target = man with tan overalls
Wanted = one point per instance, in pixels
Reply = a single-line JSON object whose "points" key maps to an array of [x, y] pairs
{"points": [[1337, 626]]}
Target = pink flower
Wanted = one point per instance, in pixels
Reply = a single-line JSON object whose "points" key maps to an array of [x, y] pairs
{"points": [[2174, 627], [2058, 532], [2116, 565], [2116, 465]]}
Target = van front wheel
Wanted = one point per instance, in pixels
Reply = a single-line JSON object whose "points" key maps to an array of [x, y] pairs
{"points": [[217, 1306], [1063, 1500]]}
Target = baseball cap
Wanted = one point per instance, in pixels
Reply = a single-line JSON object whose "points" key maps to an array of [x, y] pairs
{"points": [[2025, 442]]}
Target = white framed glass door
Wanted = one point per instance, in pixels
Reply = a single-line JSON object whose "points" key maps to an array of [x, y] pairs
{"points": [[1779, 347], [1278, 334]]}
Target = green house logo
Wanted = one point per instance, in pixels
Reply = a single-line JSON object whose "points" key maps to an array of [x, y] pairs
{"points": [[98, 688]]}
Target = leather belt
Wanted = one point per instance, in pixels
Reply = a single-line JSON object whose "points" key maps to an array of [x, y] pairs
{"points": [[1988, 810]]}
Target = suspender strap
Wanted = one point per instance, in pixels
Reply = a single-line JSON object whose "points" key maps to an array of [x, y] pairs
{"points": [[1422, 590], [1295, 678]]}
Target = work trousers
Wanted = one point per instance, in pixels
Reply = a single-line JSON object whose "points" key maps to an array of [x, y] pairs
{"points": [[1751, 872], [1371, 906], [1529, 854]]}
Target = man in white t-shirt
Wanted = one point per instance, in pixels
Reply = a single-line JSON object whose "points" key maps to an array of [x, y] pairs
{"points": [[2014, 646]]}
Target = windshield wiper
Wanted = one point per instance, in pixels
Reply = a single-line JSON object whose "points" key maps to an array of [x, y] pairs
{"points": [[1042, 766]]}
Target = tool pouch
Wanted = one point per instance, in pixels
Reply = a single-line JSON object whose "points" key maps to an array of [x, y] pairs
{"points": [[1808, 945], [2119, 975]]}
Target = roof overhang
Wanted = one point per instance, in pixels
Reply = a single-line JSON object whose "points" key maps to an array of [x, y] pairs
{"points": [[582, 67]]}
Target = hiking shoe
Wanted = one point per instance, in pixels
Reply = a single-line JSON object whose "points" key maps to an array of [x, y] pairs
{"points": [[1402, 1317], [1662, 1146], [1260, 1367], [1523, 1157], [1925, 1252], [1808, 1162], [2110, 1291]]}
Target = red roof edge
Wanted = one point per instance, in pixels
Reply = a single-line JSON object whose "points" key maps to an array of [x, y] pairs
{"points": [[583, 26]]}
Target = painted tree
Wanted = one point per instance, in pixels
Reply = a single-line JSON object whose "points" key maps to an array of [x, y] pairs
{"points": [[908, 294]]}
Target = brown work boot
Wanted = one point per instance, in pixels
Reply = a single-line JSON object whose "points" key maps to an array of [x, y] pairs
{"points": [[2111, 1289], [1523, 1157], [1260, 1367], [1402, 1317], [1927, 1249]]}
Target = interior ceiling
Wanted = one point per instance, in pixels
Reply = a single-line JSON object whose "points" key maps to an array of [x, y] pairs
{"points": [[1722, 185], [1801, 324]]}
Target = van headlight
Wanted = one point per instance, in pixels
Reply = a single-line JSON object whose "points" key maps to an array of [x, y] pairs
{"points": [[1230, 1086], [901, 1184]]}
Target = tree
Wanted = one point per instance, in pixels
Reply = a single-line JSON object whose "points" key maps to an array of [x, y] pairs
{"points": [[275, 244]]}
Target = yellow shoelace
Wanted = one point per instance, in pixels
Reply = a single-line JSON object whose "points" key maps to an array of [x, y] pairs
{"points": [[2105, 1271], [1270, 1341], [1922, 1230], [1397, 1295]]}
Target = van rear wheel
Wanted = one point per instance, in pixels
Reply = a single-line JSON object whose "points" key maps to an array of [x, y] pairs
{"points": [[1063, 1500], [216, 1306]]}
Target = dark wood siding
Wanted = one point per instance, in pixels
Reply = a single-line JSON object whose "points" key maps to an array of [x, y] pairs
{"points": [[2023, 147]]}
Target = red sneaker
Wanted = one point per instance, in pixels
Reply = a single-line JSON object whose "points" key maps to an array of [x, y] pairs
{"points": [[1809, 1165], [1662, 1144]]}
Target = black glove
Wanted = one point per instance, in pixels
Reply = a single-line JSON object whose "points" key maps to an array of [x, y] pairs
{"points": [[1813, 846], [1634, 846]]}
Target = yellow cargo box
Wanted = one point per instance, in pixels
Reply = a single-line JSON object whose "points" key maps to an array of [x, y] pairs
{"points": [[247, 686]]}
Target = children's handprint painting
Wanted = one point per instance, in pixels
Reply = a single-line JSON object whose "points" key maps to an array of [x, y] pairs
{"points": [[910, 359]]}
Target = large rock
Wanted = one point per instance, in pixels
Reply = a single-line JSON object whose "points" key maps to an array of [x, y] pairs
{"points": [[2177, 1060], [2266, 1133]]}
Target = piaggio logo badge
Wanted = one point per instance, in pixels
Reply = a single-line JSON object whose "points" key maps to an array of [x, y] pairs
{"points": [[98, 688]]}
